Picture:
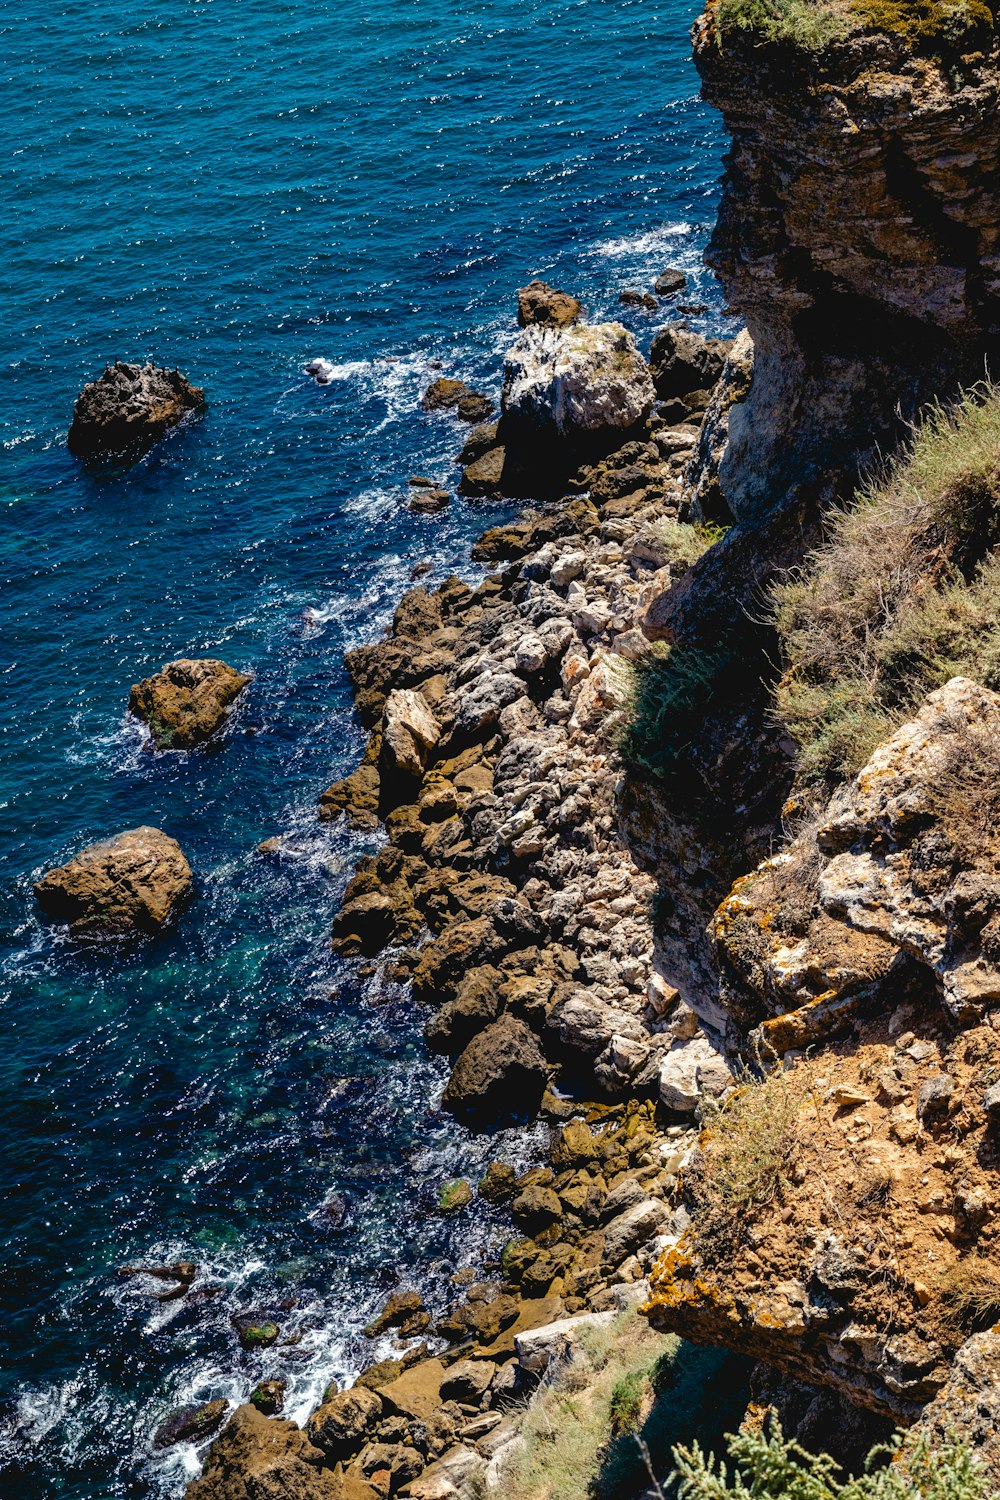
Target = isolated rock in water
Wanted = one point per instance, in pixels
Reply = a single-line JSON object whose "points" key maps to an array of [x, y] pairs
{"points": [[129, 407], [669, 281], [409, 731], [187, 701], [261, 1458], [540, 305], [189, 1424], [444, 394], [702, 489], [682, 362], [321, 370], [133, 883], [587, 385], [499, 1077]]}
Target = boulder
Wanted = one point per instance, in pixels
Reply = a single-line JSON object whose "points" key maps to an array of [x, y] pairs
{"points": [[560, 1341], [624, 1235], [457, 1475], [342, 1424], [187, 701], [540, 305], [134, 883], [409, 731], [499, 1078], [483, 476], [583, 388], [268, 1396], [475, 1005], [474, 407], [669, 281], [443, 394], [691, 1070], [255, 1331], [682, 362], [479, 441], [190, 1424], [266, 1458], [428, 499], [468, 1381], [129, 408]]}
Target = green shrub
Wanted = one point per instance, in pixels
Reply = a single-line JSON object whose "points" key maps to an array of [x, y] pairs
{"points": [[903, 594], [628, 1397], [769, 1466], [937, 28], [673, 690]]}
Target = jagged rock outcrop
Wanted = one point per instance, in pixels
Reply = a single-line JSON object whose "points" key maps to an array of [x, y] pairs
{"points": [[542, 306], [570, 394], [702, 491], [859, 237], [896, 885], [134, 883], [128, 408], [187, 701], [268, 1458]]}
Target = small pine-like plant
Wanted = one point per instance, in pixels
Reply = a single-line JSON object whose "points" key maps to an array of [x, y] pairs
{"points": [[769, 1466]]}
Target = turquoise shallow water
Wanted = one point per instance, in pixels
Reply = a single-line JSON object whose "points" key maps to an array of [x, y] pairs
{"points": [[235, 188]]}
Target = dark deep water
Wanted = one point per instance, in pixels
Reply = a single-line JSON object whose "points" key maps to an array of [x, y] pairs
{"points": [[234, 188]]}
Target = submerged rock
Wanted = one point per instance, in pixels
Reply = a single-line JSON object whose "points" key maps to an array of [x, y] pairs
{"points": [[255, 1332], [189, 1424], [187, 701], [443, 394], [128, 408], [133, 883], [268, 1397]]}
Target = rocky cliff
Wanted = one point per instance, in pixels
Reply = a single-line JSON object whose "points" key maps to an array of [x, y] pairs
{"points": [[859, 237]]}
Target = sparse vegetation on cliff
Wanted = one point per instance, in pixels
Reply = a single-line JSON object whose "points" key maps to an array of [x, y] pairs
{"points": [[942, 28], [769, 1466], [903, 595]]}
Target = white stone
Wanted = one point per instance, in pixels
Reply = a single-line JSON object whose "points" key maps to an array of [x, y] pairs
{"points": [[409, 730]]}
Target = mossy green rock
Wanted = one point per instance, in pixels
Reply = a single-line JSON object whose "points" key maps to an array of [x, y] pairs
{"points": [[256, 1333], [454, 1196]]}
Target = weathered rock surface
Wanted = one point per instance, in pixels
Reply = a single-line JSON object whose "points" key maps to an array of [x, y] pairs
{"points": [[129, 408], [540, 305], [578, 389], [187, 701], [858, 239], [702, 490], [266, 1458], [134, 883], [895, 882], [190, 1424]]}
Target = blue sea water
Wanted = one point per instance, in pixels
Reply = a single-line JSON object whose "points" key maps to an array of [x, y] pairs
{"points": [[235, 187]]}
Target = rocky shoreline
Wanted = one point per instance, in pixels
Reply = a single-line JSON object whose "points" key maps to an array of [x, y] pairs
{"points": [[506, 895]]}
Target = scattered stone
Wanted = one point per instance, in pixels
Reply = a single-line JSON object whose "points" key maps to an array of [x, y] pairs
{"points": [[429, 501], [269, 1397], [454, 1195], [934, 1097], [187, 701], [638, 299], [255, 1332], [134, 883], [129, 408]]}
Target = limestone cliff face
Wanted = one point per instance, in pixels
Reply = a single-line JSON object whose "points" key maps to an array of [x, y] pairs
{"points": [[859, 237]]}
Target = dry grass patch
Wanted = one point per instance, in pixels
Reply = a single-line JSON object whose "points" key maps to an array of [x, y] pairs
{"points": [[903, 595], [970, 1295]]}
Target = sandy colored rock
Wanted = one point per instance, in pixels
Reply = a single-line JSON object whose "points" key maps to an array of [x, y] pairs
{"points": [[266, 1458], [409, 731], [128, 408], [133, 883], [540, 305], [187, 701], [341, 1424]]}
